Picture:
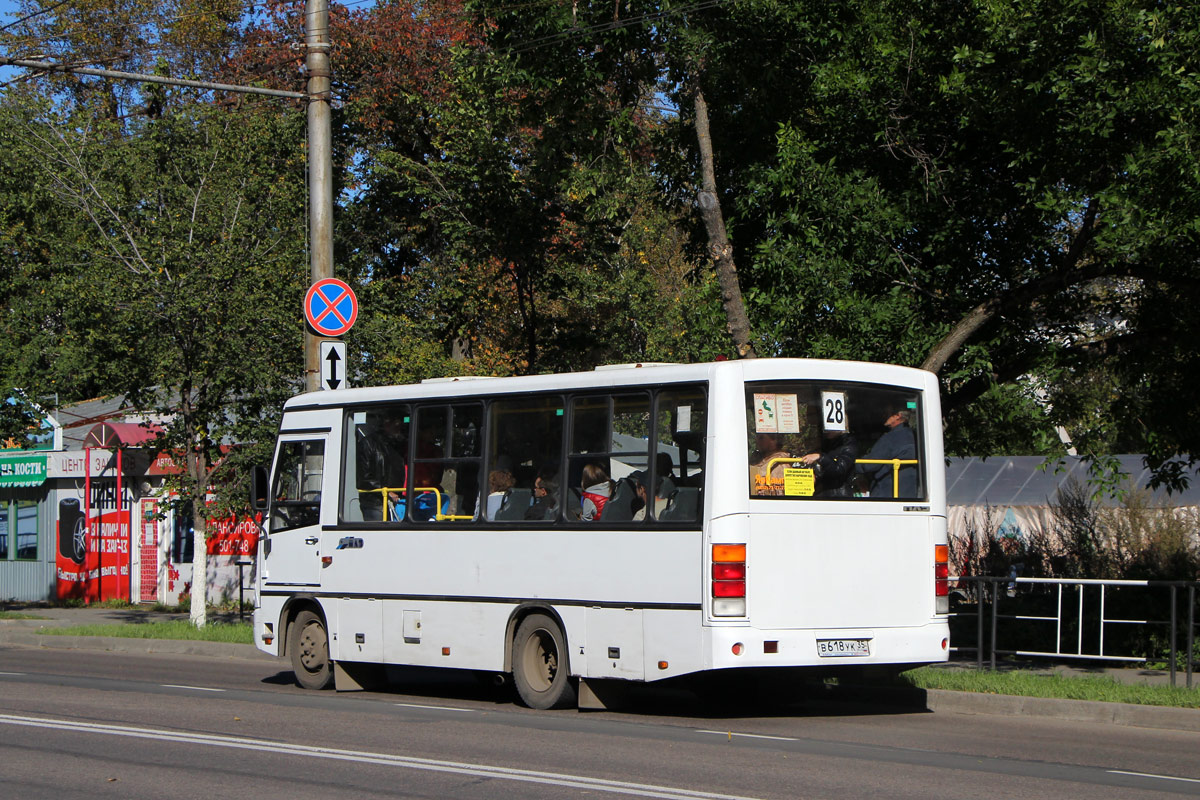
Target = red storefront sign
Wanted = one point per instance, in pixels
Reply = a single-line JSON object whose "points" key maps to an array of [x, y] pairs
{"points": [[93, 554], [232, 537]]}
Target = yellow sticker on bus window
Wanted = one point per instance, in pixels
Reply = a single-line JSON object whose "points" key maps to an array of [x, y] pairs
{"points": [[799, 482]]}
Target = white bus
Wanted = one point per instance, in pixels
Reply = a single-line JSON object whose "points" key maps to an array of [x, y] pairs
{"points": [[635, 523]]}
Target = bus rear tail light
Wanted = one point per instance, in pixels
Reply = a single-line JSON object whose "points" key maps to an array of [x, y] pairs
{"points": [[729, 580], [729, 572], [729, 589], [941, 578]]}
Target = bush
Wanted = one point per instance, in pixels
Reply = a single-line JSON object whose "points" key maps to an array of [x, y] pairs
{"points": [[1135, 540]]}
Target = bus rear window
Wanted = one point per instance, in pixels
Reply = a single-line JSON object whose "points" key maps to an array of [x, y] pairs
{"points": [[811, 440]]}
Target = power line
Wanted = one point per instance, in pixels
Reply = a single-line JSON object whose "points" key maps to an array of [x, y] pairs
{"points": [[140, 77]]}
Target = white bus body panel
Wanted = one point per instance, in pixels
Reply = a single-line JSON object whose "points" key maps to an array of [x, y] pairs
{"points": [[634, 604]]}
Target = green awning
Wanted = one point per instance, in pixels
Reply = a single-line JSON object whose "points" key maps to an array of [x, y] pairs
{"points": [[26, 469]]}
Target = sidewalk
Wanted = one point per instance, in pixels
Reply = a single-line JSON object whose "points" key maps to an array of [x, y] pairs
{"points": [[24, 633]]}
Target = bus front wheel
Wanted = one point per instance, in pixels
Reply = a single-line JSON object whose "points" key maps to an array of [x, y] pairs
{"points": [[541, 669], [309, 647]]}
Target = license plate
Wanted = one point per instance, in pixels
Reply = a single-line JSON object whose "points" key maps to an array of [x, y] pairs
{"points": [[827, 648]]}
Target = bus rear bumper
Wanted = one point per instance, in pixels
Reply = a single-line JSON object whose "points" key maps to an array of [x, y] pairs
{"points": [[745, 646]]}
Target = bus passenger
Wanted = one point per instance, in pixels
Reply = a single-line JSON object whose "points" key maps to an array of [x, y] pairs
{"points": [[641, 482], [834, 464], [898, 442], [499, 482], [545, 496], [767, 478], [664, 470], [597, 489]]}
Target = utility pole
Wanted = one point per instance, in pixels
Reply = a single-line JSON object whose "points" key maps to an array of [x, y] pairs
{"points": [[320, 168]]}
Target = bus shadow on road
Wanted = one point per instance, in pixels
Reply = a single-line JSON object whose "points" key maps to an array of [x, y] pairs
{"points": [[738, 695], [715, 695]]}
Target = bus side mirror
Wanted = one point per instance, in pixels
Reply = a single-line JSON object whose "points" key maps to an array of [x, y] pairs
{"points": [[259, 489]]}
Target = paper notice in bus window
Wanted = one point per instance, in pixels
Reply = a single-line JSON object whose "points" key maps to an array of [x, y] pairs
{"points": [[789, 413], [766, 414], [683, 419], [799, 482]]}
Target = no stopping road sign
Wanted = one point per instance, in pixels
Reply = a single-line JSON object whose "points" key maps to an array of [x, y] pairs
{"points": [[330, 307]]}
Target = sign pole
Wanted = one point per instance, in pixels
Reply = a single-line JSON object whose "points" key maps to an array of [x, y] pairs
{"points": [[320, 168]]}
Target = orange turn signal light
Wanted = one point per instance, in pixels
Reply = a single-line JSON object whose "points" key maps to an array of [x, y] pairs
{"points": [[729, 552]]}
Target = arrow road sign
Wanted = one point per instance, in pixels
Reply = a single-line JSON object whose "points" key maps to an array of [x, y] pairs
{"points": [[333, 365], [330, 307]]}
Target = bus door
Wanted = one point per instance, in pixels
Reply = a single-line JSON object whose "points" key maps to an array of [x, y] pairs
{"points": [[292, 555]]}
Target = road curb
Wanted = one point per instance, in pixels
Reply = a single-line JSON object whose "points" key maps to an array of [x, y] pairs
{"points": [[1182, 719]]}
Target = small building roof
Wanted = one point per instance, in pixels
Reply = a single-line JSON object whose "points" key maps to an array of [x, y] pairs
{"points": [[1002, 481], [116, 434]]}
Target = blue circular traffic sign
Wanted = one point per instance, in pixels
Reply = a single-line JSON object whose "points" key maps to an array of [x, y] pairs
{"points": [[330, 307]]}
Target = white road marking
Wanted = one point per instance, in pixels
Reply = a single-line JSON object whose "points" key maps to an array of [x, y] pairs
{"points": [[12, 673], [435, 708], [751, 735], [1152, 775], [366, 757], [193, 688]]}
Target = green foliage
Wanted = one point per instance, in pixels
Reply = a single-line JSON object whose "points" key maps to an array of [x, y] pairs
{"points": [[528, 233], [17, 416], [892, 169], [161, 269], [519, 187]]}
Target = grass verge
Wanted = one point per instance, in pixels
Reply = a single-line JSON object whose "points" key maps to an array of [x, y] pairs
{"points": [[231, 633], [18, 615], [1033, 684]]}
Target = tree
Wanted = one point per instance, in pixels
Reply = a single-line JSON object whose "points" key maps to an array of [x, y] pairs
{"points": [[189, 276], [1007, 195], [500, 198], [152, 263]]}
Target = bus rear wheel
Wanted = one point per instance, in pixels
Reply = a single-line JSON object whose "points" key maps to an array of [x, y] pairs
{"points": [[541, 668], [309, 647]]}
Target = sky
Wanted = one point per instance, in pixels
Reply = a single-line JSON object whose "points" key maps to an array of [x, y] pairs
{"points": [[8, 10]]}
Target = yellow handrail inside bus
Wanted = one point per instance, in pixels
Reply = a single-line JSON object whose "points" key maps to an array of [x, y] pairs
{"points": [[387, 506], [896, 464], [437, 493]]}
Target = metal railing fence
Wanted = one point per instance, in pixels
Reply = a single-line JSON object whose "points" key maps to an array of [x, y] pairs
{"points": [[1085, 635]]}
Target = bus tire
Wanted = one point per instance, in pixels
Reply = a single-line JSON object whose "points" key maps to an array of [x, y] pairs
{"points": [[309, 647], [541, 667]]}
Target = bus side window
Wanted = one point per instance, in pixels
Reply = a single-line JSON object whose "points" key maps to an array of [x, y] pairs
{"points": [[375, 471], [524, 449], [681, 421], [446, 466], [296, 494], [610, 437]]}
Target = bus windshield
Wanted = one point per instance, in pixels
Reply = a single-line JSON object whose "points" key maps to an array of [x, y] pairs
{"points": [[831, 440]]}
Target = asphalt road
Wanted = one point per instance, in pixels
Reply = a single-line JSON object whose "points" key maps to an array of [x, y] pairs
{"points": [[78, 723]]}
